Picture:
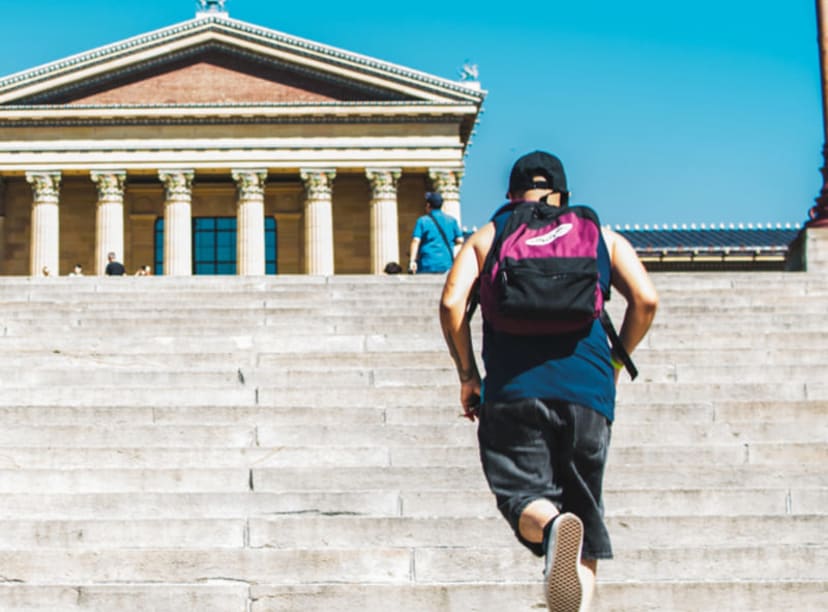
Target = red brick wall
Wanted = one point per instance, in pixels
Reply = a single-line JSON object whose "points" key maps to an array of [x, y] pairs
{"points": [[203, 83]]}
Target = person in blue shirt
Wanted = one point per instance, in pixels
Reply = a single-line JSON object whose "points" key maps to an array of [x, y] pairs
{"points": [[432, 250]]}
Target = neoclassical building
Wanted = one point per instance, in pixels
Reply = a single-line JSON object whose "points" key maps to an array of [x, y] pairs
{"points": [[218, 146]]}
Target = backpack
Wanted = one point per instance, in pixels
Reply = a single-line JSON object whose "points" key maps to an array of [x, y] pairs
{"points": [[541, 275]]}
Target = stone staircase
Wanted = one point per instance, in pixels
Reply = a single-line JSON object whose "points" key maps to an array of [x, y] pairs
{"points": [[251, 445]]}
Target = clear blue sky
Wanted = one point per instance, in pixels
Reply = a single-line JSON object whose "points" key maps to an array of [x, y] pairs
{"points": [[663, 112]]}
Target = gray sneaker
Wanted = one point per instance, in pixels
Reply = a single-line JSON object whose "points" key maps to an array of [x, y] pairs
{"points": [[564, 590]]}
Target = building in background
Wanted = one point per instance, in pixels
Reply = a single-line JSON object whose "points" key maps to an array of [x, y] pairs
{"points": [[760, 247], [218, 146]]}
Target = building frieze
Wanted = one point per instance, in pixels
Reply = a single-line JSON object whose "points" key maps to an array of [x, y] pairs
{"points": [[209, 114]]}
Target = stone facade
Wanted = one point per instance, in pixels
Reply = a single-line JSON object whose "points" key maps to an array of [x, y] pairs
{"points": [[217, 118], [144, 204]]}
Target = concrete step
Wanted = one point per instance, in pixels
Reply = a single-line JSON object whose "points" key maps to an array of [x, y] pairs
{"points": [[457, 434], [618, 476], [638, 393], [399, 374], [425, 565], [684, 596], [417, 503], [198, 456], [675, 596], [103, 534], [627, 532], [687, 596], [102, 479], [448, 457], [719, 454], [628, 414], [222, 597], [302, 343], [635, 502], [352, 532], [181, 506], [148, 436], [195, 415], [204, 565], [752, 563], [47, 359]]}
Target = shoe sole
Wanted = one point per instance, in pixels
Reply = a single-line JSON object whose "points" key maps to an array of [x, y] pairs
{"points": [[563, 584]]}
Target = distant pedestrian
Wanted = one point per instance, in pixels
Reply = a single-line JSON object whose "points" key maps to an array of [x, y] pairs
{"points": [[435, 239], [114, 267]]}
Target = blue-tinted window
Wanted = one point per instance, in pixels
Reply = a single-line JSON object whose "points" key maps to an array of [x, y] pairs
{"points": [[159, 246], [271, 242], [214, 245]]}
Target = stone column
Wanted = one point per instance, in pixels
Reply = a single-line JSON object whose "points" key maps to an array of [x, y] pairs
{"points": [[178, 225], [447, 184], [319, 248], [250, 236], [385, 239], [45, 241], [109, 234]]}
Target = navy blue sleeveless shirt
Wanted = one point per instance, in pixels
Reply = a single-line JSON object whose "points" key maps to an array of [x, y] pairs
{"points": [[572, 367]]}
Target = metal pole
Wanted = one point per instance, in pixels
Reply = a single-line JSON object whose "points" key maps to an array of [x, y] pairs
{"points": [[819, 213]]}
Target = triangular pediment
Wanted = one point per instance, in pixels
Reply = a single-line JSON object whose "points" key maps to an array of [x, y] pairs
{"points": [[211, 74], [218, 61]]}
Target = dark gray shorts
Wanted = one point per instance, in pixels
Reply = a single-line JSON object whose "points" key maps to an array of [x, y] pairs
{"points": [[532, 449]]}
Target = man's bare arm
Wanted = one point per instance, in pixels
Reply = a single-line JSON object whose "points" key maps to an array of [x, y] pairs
{"points": [[630, 278], [453, 305], [413, 251]]}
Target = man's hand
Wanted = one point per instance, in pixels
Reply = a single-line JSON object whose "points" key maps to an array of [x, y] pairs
{"points": [[412, 267], [470, 398]]}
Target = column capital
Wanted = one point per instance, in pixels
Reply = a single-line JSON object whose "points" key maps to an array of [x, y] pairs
{"points": [[250, 183], [446, 180], [46, 186], [110, 185], [318, 182], [383, 181], [178, 184]]}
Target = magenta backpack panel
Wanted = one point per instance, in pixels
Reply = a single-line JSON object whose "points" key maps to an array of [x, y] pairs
{"points": [[542, 274]]}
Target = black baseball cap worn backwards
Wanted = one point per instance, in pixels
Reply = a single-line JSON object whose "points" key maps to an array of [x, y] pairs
{"points": [[537, 163]]}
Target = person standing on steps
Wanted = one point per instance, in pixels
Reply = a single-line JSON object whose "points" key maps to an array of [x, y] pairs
{"points": [[435, 239], [548, 400], [114, 267]]}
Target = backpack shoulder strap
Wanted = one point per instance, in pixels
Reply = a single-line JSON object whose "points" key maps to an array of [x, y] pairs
{"points": [[443, 234], [618, 350], [499, 219]]}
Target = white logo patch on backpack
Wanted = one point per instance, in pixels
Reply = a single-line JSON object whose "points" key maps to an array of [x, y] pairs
{"points": [[561, 230]]}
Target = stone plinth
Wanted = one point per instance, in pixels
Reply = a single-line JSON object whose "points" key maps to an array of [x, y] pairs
{"points": [[809, 251]]}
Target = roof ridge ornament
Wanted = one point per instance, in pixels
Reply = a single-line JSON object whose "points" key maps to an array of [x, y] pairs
{"points": [[211, 8]]}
